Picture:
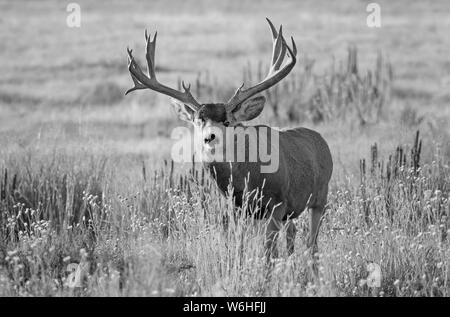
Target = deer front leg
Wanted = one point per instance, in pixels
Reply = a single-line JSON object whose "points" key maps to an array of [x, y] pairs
{"points": [[314, 226], [272, 230], [316, 212]]}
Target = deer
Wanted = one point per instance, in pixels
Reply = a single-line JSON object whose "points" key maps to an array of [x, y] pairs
{"points": [[305, 163]]}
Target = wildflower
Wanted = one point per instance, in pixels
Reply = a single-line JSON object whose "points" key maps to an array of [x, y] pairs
{"points": [[427, 194], [83, 253], [170, 290], [12, 253]]}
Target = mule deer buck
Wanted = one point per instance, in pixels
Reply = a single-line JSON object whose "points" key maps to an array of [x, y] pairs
{"points": [[305, 164]]}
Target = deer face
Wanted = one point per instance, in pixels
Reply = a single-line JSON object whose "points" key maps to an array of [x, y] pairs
{"points": [[211, 120]]}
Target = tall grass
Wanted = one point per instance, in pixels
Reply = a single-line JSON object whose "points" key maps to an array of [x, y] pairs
{"points": [[168, 232]]}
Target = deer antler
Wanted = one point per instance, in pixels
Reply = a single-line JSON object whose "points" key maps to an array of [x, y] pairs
{"points": [[275, 74], [149, 81]]}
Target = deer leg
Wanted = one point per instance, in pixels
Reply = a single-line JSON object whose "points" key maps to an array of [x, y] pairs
{"points": [[290, 236], [316, 213], [273, 228]]}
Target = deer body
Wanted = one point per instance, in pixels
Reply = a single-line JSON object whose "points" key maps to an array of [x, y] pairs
{"points": [[300, 182], [304, 161], [301, 150]]}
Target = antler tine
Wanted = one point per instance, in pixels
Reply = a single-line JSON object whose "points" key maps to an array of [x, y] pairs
{"points": [[141, 81], [275, 74], [132, 65], [276, 44], [293, 52], [278, 56], [150, 53], [186, 89], [273, 29]]}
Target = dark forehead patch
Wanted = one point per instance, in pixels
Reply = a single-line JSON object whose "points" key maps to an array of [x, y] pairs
{"points": [[212, 111]]}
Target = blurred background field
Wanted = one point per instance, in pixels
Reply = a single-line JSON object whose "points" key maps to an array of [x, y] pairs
{"points": [[67, 131], [73, 79]]}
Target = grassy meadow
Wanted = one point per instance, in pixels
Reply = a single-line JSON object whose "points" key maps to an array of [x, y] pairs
{"points": [[86, 175]]}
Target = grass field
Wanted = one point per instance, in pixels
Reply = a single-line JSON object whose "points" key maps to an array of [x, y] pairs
{"points": [[86, 176]]}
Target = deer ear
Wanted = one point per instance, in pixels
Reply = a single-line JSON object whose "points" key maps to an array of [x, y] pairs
{"points": [[249, 109], [183, 112]]}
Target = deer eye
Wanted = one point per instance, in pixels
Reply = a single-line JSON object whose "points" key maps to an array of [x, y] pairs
{"points": [[226, 123]]}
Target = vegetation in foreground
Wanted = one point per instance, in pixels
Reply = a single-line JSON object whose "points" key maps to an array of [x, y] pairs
{"points": [[171, 233]]}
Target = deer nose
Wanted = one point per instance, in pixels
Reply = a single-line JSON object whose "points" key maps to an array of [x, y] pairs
{"points": [[211, 137]]}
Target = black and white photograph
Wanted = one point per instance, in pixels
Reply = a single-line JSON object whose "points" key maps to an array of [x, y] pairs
{"points": [[224, 153]]}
